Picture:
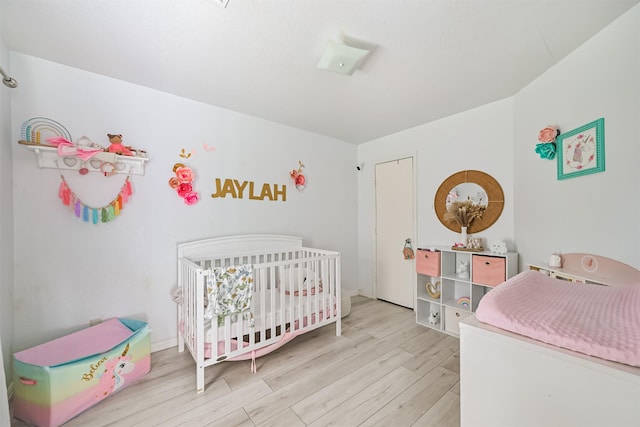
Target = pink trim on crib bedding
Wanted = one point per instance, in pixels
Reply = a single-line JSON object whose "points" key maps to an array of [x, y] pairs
{"points": [[252, 354], [596, 320]]}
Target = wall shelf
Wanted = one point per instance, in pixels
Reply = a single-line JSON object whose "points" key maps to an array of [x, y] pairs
{"points": [[102, 162]]}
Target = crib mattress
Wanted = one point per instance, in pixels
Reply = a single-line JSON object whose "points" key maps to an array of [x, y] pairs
{"points": [[592, 319]]}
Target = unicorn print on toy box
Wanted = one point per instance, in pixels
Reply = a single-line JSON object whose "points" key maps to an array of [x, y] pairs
{"points": [[112, 378]]}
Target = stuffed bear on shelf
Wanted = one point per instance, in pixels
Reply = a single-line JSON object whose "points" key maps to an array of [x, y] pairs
{"points": [[117, 147]]}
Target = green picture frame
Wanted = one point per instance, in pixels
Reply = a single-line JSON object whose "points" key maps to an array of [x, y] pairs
{"points": [[581, 151]]}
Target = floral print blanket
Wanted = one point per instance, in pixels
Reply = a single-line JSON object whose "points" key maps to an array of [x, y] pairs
{"points": [[229, 292]]}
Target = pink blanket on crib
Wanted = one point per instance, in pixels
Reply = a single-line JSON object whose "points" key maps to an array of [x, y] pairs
{"points": [[596, 320]]}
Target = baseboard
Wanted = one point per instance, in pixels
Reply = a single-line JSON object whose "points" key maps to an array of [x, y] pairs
{"points": [[164, 344], [364, 294], [350, 292]]}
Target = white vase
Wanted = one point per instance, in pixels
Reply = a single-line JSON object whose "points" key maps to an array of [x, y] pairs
{"points": [[463, 236]]}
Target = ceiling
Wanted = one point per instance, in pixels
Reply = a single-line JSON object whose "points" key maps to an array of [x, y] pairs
{"points": [[429, 59]]}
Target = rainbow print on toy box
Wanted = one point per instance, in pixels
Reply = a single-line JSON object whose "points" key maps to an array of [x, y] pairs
{"points": [[56, 381]]}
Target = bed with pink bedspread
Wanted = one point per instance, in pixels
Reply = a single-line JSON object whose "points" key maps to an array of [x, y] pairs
{"points": [[540, 351], [601, 321]]}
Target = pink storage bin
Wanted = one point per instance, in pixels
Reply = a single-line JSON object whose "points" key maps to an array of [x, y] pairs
{"points": [[488, 270], [428, 262]]}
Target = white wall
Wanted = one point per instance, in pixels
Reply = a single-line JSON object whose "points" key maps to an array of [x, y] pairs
{"points": [[479, 139], [595, 213], [6, 239], [68, 272]]}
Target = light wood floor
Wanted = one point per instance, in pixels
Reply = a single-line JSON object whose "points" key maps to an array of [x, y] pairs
{"points": [[385, 370]]}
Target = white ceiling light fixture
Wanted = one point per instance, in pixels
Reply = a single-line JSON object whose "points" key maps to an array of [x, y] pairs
{"points": [[221, 3], [341, 58]]}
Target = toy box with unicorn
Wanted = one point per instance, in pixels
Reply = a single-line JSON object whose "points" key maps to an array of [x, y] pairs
{"points": [[56, 381]]}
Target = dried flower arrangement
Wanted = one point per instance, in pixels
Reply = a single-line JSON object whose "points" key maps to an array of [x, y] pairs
{"points": [[464, 213]]}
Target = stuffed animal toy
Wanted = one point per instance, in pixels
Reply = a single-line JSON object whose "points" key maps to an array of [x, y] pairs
{"points": [[434, 317], [463, 269], [117, 146]]}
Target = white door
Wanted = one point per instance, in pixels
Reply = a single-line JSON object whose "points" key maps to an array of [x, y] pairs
{"points": [[394, 224]]}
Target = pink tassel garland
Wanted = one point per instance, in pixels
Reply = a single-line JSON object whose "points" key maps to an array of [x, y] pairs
{"points": [[95, 215], [65, 193], [127, 187], [61, 189]]}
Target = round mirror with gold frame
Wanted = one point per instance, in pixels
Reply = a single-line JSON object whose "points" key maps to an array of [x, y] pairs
{"points": [[492, 197]]}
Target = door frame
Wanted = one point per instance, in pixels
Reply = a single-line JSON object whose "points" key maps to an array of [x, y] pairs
{"points": [[414, 156]]}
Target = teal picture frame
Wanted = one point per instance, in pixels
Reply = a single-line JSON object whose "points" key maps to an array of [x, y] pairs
{"points": [[581, 151]]}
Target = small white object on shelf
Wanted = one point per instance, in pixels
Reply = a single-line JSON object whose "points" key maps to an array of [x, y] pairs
{"points": [[498, 247], [555, 260]]}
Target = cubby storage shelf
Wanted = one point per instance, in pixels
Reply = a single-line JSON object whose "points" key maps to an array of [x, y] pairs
{"points": [[459, 294], [48, 158]]}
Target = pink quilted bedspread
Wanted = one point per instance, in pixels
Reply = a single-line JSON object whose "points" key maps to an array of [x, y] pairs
{"points": [[596, 320]]}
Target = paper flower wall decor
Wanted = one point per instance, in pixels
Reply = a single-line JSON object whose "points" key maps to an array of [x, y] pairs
{"points": [[298, 177], [182, 183], [547, 146]]}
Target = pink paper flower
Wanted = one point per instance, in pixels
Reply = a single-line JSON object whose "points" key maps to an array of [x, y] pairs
{"points": [[191, 198], [182, 181], [184, 189], [174, 182], [298, 177], [548, 134], [184, 174]]}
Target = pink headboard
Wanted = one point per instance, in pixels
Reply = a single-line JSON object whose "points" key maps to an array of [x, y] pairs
{"points": [[599, 269]]}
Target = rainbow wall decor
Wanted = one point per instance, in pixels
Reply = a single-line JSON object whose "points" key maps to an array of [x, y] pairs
{"points": [[36, 131]]}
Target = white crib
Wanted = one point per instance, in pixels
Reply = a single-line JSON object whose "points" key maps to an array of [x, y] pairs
{"points": [[296, 290]]}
